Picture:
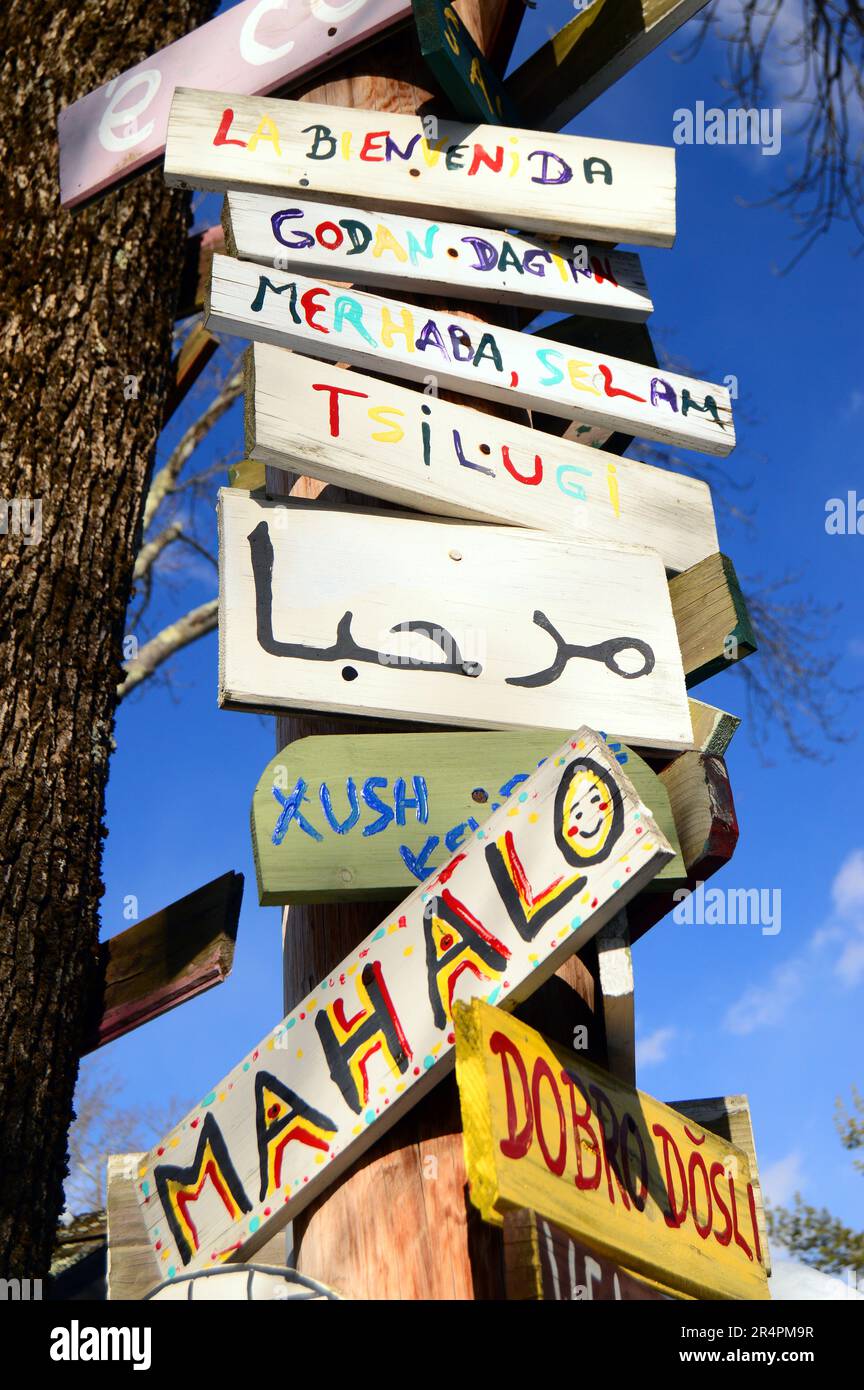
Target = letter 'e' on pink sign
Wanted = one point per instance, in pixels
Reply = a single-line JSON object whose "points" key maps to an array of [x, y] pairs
{"points": [[253, 48]]}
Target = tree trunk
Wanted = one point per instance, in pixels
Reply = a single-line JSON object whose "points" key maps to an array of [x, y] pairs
{"points": [[398, 1224], [85, 342]]}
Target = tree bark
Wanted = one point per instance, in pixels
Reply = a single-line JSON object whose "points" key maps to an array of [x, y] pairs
{"points": [[86, 313]]}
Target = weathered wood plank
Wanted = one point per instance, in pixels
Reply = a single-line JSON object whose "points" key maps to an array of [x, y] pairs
{"points": [[714, 627], [713, 729], [131, 1274], [547, 1130], [542, 1262], [604, 190], [376, 1034], [472, 86], [443, 622], [444, 350], [729, 1116], [248, 474], [437, 456], [189, 363], [368, 816], [164, 960], [385, 251], [700, 795], [120, 128], [698, 787], [584, 58]]}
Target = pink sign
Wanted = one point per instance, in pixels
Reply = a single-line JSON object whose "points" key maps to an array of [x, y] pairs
{"points": [[253, 48]]}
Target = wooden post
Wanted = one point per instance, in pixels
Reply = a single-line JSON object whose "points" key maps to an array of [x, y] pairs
{"points": [[398, 1225]]}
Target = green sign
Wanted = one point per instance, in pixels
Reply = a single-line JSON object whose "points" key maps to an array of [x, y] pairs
{"points": [[352, 816], [475, 90]]}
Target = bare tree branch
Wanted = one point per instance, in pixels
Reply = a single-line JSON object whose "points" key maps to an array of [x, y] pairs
{"points": [[166, 643], [149, 553], [199, 549], [790, 684], [165, 481], [820, 45], [103, 1125]]}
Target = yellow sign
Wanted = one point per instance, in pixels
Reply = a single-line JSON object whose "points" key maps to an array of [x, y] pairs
{"points": [[639, 1182]]}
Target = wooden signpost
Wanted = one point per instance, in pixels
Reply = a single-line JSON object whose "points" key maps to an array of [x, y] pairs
{"points": [[542, 1262], [437, 456], [384, 614], [386, 251], [642, 1184], [254, 47], [532, 595], [471, 84], [450, 351], [377, 1033], [584, 58], [368, 816], [603, 190]]}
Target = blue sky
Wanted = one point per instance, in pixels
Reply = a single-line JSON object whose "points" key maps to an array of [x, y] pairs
{"points": [[721, 1009]]}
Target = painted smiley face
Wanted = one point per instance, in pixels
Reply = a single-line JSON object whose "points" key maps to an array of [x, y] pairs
{"points": [[590, 815]]}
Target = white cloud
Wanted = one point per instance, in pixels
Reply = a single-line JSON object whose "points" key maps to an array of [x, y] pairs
{"points": [[847, 893], [781, 1180], [850, 966], [762, 1005], [837, 944], [847, 890], [654, 1048]]}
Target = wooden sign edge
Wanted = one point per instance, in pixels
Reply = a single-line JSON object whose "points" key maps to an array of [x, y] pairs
{"points": [[107, 1022]]}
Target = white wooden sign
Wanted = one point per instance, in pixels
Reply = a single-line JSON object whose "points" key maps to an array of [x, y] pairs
{"points": [[377, 613], [447, 351], [386, 251], [436, 456], [605, 190], [567, 851]]}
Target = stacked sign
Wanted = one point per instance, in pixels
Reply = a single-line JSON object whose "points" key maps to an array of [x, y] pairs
{"points": [[534, 595]]}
